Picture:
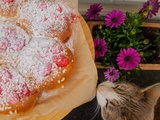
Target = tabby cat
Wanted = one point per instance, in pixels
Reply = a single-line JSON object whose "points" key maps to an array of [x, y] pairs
{"points": [[126, 101]]}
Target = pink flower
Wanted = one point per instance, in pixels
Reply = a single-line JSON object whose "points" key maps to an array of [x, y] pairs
{"points": [[94, 11], [128, 59], [114, 18], [150, 8], [100, 47], [111, 74]]}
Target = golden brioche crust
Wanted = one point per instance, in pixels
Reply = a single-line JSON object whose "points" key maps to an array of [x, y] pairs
{"points": [[9, 9], [24, 106], [62, 35], [25, 25]]}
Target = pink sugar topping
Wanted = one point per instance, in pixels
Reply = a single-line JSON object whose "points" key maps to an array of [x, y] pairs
{"points": [[4, 44], [73, 17], [47, 69], [57, 48], [45, 18], [11, 32], [12, 88], [5, 76], [42, 5], [13, 98], [8, 1], [22, 89], [59, 9], [18, 44], [61, 61], [0, 91], [12, 39]]}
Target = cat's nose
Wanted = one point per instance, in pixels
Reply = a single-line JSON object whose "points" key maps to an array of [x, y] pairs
{"points": [[100, 88], [104, 89], [107, 92]]}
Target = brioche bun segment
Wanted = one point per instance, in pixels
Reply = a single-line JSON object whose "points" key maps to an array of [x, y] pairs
{"points": [[9, 9], [63, 35], [52, 82], [16, 94], [24, 106]]}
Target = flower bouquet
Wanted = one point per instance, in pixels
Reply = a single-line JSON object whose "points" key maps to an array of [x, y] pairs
{"points": [[121, 42]]}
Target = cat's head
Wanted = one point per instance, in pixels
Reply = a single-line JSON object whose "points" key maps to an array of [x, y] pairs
{"points": [[126, 101]]}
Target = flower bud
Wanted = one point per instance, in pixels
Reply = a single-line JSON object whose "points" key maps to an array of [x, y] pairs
{"points": [[131, 44], [146, 41], [141, 53], [133, 31], [154, 51], [100, 27]]}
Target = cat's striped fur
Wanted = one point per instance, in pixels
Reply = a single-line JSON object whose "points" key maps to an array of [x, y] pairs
{"points": [[126, 101]]}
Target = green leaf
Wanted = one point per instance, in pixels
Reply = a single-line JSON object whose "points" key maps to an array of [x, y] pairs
{"points": [[147, 46]]}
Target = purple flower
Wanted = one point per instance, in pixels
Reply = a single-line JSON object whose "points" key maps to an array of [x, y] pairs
{"points": [[150, 8], [128, 59], [100, 47], [111, 74], [114, 18], [159, 56], [94, 11]]}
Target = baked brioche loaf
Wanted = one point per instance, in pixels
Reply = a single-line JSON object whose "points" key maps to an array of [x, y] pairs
{"points": [[34, 56]]}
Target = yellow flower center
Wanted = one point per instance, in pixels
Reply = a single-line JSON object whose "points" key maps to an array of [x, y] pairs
{"points": [[145, 13], [100, 26], [150, 8]]}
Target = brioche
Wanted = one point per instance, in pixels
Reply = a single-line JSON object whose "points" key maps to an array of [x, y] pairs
{"points": [[36, 51]]}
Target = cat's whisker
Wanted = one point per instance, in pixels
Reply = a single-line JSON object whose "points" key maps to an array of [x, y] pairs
{"points": [[94, 110]]}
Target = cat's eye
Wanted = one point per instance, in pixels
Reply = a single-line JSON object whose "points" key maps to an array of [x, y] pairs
{"points": [[107, 102], [115, 87]]}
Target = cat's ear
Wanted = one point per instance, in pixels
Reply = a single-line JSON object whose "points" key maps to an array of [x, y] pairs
{"points": [[152, 92]]}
